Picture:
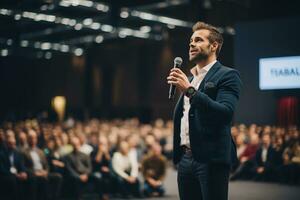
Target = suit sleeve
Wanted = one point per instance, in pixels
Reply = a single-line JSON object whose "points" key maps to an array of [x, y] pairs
{"points": [[72, 172], [228, 92]]}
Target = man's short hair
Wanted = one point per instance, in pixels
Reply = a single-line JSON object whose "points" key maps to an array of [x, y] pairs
{"points": [[214, 36]]}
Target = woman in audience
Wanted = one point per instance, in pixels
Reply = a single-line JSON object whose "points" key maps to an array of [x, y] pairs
{"points": [[126, 175]]}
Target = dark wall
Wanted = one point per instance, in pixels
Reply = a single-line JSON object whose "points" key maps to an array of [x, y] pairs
{"points": [[121, 78], [254, 40]]}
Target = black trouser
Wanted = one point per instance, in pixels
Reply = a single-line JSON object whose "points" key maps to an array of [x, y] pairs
{"points": [[125, 188], [202, 181], [76, 187]]}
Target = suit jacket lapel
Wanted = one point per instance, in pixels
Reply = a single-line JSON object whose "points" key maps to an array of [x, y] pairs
{"points": [[209, 74]]}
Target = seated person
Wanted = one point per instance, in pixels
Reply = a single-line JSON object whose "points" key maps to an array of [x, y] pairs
{"points": [[12, 171], [247, 160], [101, 166], [79, 169], [264, 160], [154, 166], [123, 168], [38, 170]]}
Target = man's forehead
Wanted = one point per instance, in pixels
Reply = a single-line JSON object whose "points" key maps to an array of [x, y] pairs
{"points": [[201, 33]]}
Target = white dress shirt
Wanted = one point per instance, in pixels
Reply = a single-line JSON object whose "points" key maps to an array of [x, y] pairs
{"points": [[199, 75], [37, 164], [123, 165]]}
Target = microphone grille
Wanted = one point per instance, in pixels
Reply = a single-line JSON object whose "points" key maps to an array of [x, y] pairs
{"points": [[178, 61]]}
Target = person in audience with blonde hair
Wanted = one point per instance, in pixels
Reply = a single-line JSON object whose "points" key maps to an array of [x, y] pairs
{"points": [[123, 167]]}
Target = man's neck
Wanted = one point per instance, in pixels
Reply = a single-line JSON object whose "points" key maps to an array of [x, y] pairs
{"points": [[203, 63]]}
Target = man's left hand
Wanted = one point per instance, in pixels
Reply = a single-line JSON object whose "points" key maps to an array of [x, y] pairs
{"points": [[179, 79]]}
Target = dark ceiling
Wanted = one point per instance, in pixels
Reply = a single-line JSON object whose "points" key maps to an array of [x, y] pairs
{"points": [[71, 26]]}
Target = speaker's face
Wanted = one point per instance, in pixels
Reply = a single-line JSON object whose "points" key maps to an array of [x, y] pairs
{"points": [[200, 47]]}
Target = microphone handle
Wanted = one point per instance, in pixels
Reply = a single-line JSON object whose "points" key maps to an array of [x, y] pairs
{"points": [[172, 88]]}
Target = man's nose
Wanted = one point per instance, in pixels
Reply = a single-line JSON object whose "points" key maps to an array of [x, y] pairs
{"points": [[192, 44]]}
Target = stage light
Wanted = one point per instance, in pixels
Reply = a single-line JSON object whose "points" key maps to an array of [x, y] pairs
{"points": [[95, 26], [72, 22], [78, 27], [139, 34], [48, 55], [74, 3], [64, 48], [50, 18], [56, 46], [64, 3], [65, 21], [59, 106], [122, 35], [87, 21], [145, 29], [146, 16], [86, 3], [99, 39], [105, 9], [124, 14], [126, 31], [4, 52], [168, 20], [24, 43], [5, 12], [17, 17], [171, 26], [78, 52], [107, 28], [45, 46], [40, 17], [9, 42], [44, 7]]}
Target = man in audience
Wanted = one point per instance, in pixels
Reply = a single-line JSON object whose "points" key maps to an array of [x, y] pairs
{"points": [[37, 167], [265, 157], [79, 170], [12, 171], [154, 166]]}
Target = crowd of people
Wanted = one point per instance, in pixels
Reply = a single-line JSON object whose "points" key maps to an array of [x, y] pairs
{"points": [[40, 160], [43, 160], [270, 154]]}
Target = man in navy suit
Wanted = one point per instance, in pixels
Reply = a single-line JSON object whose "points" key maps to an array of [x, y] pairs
{"points": [[12, 170], [203, 146]]}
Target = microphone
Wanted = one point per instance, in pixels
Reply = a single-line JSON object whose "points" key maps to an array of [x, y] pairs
{"points": [[177, 63]]}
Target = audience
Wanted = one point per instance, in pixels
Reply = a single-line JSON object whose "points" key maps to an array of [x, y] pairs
{"points": [[38, 159]]}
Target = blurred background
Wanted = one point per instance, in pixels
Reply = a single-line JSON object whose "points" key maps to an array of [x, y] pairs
{"points": [[111, 58], [95, 71]]}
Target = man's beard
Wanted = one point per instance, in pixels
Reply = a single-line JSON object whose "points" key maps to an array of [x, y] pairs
{"points": [[199, 57]]}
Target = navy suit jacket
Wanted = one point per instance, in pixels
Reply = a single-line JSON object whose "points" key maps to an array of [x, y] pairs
{"points": [[5, 164], [210, 117]]}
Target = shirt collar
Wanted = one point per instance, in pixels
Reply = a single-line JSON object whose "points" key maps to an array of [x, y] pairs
{"points": [[196, 71]]}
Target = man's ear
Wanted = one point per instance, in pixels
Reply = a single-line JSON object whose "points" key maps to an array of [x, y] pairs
{"points": [[214, 46]]}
